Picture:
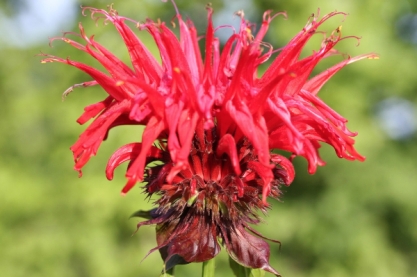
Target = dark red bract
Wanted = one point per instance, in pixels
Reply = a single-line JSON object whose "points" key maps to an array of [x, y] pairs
{"points": [[211, 125]]}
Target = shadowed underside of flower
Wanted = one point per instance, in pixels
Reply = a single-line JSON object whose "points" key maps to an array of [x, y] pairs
{"points": [[211, 125]]}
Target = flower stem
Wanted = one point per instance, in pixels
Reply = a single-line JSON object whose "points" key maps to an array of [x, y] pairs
{"points": [[208, 268]]}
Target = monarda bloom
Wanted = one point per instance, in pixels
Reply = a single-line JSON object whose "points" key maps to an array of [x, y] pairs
{"points": [[212, 124]]}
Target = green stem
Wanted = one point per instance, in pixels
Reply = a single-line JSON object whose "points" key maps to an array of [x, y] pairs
{"points": [[208, 268]]}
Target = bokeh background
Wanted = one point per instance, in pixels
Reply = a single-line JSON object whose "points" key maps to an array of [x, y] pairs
{"points": [[349, 219]]}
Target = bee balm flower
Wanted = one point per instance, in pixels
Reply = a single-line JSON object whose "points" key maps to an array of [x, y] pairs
{"points": [[211, 125]]}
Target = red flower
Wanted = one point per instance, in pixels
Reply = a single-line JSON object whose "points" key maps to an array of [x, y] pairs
{"points": [[211, 124]]}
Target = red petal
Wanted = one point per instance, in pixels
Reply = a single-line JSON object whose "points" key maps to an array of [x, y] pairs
{"points": [[227, 145]]}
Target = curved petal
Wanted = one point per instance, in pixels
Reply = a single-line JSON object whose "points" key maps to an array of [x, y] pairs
{"points": [[248, 250], [128, 152], [227, 145]]}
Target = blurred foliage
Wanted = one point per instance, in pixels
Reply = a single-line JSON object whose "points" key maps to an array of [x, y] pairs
{"points": [[349, 219]]}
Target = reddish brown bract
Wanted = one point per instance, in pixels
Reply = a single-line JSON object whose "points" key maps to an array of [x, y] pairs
{"points": [[211, 124]]}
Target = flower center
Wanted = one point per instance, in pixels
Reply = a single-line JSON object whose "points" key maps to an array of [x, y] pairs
{"points": [[210, 186]]}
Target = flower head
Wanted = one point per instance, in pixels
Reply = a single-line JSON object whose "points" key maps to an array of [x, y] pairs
{"points": [[211, 123]]}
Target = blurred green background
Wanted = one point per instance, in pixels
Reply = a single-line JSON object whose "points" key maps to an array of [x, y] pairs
{"points": [[349, 219]]}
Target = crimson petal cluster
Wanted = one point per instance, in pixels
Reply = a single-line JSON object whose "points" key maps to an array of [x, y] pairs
{"points": [[211, 124]]}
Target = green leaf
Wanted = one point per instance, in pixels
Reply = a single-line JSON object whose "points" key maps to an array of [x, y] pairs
{"points": [[168, 273], [143, 214], [173, 261]]}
